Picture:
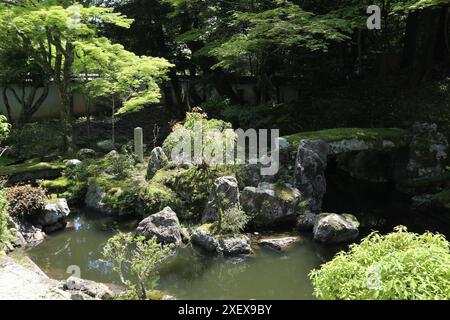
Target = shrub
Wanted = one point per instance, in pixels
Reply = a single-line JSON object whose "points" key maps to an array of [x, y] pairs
{"points": [[26, 200], [215, 106], [216, 136], [120, 166], [4, 233], [4, 128], [398, 266], [137, 262], [233, 220]]}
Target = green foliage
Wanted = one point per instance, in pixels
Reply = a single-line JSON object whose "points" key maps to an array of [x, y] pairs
{"points": [[25, 201], [120, 166], [215, 106], [214, 138], [156, 196], [124, 75], [4, 128], [398, 266], [36, 140], [233, 220], [4, 233], [137, 261]]}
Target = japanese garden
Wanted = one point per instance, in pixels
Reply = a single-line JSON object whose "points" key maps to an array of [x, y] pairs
{"points": [[224, 150]]}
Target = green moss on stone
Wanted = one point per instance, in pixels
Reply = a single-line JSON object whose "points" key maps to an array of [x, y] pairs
{"points": [[374, 135], [29, 167], [58, 184]]}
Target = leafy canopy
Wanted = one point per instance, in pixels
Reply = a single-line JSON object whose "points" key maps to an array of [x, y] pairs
{"points": [[63, 38]]}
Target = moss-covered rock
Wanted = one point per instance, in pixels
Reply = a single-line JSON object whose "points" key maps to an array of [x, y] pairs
{"points": [[30, 171], [342, 140]]}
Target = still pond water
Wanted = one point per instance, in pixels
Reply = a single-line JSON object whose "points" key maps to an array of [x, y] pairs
{"points": [[191, 275]]}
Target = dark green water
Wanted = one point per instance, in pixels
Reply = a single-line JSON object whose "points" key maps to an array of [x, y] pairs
{"points": [[190, 275]]}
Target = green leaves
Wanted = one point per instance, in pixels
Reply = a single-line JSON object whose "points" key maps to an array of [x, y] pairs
{"points": [[119, 73], [140, 259], [398, 266], [5, 128]]}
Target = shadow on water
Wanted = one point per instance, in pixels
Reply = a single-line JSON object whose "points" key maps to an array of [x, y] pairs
{"points": [[377, 206]]}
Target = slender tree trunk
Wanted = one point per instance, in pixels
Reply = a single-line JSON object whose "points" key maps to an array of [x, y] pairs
{"points": [[113, 126], [7, 105]]}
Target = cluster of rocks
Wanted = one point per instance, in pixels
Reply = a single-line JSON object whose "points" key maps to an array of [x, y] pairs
{"points": [[30, 231]]}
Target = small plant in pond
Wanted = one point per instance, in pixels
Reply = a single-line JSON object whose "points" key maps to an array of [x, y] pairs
{"points": [[26, 200], [398, 266], [137, 261]]}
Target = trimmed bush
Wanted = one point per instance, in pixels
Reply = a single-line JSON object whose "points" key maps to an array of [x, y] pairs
{"points": [[26, 200], [397, 266]]}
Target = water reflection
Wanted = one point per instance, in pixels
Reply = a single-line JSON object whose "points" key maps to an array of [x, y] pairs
{"points": [[189, 274]]}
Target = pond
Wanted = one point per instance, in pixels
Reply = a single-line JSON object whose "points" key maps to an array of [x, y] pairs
{"points": [[191, 275], [265, 275]]}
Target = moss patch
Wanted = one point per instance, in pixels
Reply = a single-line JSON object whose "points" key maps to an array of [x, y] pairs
{"points": [[374, 135], [61, 183], [29, 167]]}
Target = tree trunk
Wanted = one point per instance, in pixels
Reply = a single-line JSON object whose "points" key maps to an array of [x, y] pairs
{"points": [[6, 101]]}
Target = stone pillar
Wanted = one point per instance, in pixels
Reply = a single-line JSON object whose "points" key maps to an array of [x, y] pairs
{"points": [[139, 144]]}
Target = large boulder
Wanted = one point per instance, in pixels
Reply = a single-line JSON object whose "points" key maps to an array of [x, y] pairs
{"points": [[106, 146], [336, 228], [235, 245], [271, 204], [428, 152], [226, 245], [223, 196], [84, 154], [163, 225], [54, 215], [25, 235], [157, 161], [310, 165], [86, 287]]}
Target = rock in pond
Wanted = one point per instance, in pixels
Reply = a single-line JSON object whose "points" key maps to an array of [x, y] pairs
{"points": [[163, 225], [279, 244], [54, 215], [271, 204], [203, 238], [227, 245], [79, 288], [233, 246], [157, 161], [223, 196], [310, 165], [336, 228]]}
